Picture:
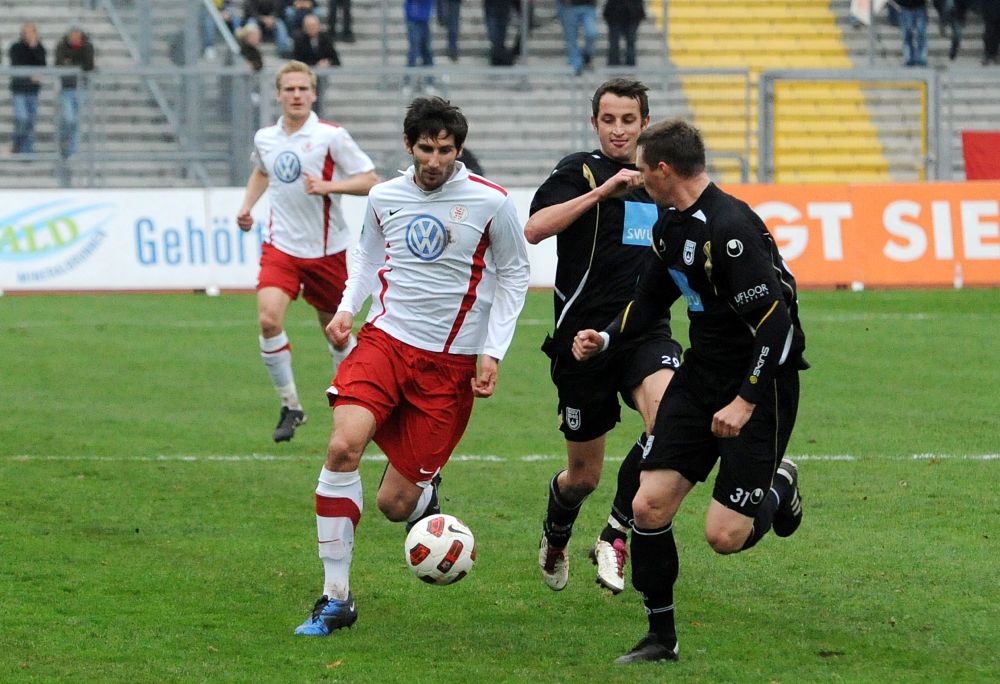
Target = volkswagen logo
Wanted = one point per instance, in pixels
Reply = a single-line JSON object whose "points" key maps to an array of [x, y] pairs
{"points": [[426, 237], [287, 167]]}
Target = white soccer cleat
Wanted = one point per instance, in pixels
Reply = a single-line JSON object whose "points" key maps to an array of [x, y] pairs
{"points": [[610, 560], [554, 565]]}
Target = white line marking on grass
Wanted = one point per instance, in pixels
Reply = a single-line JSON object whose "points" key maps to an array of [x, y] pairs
{"points": [[471, 458]]}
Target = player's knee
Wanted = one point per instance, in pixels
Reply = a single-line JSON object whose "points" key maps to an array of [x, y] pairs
{"points": [[270, 324], [649, 513], [725, 540], [341, 455], [393, 507]]}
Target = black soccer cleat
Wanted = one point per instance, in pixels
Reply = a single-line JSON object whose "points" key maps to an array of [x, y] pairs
{"points": [[788, 517], [650, 649], [290, 419]]}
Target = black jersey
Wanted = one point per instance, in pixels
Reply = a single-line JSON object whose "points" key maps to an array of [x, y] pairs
{"points": [[741, 298], [600, 255]]}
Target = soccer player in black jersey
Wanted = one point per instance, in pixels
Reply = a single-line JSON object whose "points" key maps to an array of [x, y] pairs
{"points": [[735, 396], [594, 203]]}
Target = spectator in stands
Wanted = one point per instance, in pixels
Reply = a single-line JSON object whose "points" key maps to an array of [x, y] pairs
{"points": [[991, 30], [74, 50], [577, 15], [345, 8], [314, 47], [230, 16], [267, 15], [295, 12], [623, 18], [951, 17], [26, 52], [448, 13], [418, 33], [249, 36], [496, 14], [913, 24]]}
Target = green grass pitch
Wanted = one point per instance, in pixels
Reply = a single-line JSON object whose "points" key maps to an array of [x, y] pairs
{"points": [[150, 530]]}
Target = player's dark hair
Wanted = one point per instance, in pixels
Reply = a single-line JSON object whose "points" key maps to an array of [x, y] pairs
{"points": [[430, 116], [676, 142], [623, 87]]}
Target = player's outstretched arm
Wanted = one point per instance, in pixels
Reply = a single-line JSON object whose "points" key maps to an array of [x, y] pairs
{"points": [[358, 184], [587, 344], [556, 218], [485, 381]]}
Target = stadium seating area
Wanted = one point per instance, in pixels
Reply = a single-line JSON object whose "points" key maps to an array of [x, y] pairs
{"points": [[147, 133]]}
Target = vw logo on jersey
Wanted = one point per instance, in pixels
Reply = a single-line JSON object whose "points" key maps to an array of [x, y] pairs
{"points": [[287, 167], [426, 237]]}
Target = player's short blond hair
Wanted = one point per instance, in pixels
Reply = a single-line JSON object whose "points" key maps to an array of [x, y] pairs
{"points": [[295, 67]]}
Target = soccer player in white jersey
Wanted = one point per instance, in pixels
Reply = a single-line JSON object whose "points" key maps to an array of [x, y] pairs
{"points": [[443, 257], [304, 164]]}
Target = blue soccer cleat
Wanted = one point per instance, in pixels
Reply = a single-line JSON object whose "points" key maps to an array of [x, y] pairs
{"points": [[329, 615]]}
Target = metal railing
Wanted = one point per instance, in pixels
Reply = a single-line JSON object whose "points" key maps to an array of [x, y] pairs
{"points": [[193, 126]]}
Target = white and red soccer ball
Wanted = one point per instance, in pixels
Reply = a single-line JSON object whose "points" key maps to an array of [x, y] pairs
{"points": [[440, 549]]}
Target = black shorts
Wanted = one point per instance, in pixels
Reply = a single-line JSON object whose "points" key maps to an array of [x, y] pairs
{"points": [[683, 440], [588, 391]]}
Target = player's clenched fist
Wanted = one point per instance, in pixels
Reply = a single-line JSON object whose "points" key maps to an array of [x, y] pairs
{"points": [[315, 185], [244, 220], [586, 344]]}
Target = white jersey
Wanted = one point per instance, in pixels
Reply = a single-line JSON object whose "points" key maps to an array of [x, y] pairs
{"points": [[447, 270], [300, 224]]}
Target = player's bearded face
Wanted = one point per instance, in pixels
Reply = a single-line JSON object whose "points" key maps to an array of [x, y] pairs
{"points": [[433, 159], [618, 124]]}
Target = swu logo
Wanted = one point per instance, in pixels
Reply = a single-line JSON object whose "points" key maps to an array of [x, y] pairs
{"points": [[426, 237]]}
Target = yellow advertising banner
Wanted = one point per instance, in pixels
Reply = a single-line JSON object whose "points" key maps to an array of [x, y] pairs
{"points": [[891, 235]]}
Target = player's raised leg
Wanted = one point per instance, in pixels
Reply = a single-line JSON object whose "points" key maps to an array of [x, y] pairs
{"points": [[567, 491]]}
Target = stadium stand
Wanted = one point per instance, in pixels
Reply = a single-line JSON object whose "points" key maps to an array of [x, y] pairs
{"points": [[143, 130]]}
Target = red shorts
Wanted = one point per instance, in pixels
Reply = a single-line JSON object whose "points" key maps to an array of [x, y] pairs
{"points": [[321, 280], [421, 400]]}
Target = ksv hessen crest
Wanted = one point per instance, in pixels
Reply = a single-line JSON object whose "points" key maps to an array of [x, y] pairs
{"points": [[287, 167], [426, 237]]}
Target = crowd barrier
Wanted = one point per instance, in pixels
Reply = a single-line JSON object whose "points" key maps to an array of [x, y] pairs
{"points": [[893, 235]]}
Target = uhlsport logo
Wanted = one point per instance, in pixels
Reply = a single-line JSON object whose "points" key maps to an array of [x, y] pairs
{"points": [[287, 167], [426, 237], [46, 240]]}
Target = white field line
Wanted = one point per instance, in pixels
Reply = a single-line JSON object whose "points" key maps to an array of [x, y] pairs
{"points": [[249, 323], [481, 458]]}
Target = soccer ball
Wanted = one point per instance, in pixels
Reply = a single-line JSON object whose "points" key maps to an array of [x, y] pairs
{"points": [[440, 549]]}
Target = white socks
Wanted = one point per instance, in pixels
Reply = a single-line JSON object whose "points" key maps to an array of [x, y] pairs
{"points": [[422, 502], [277, 355], [338, 510], [339, 355]]}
